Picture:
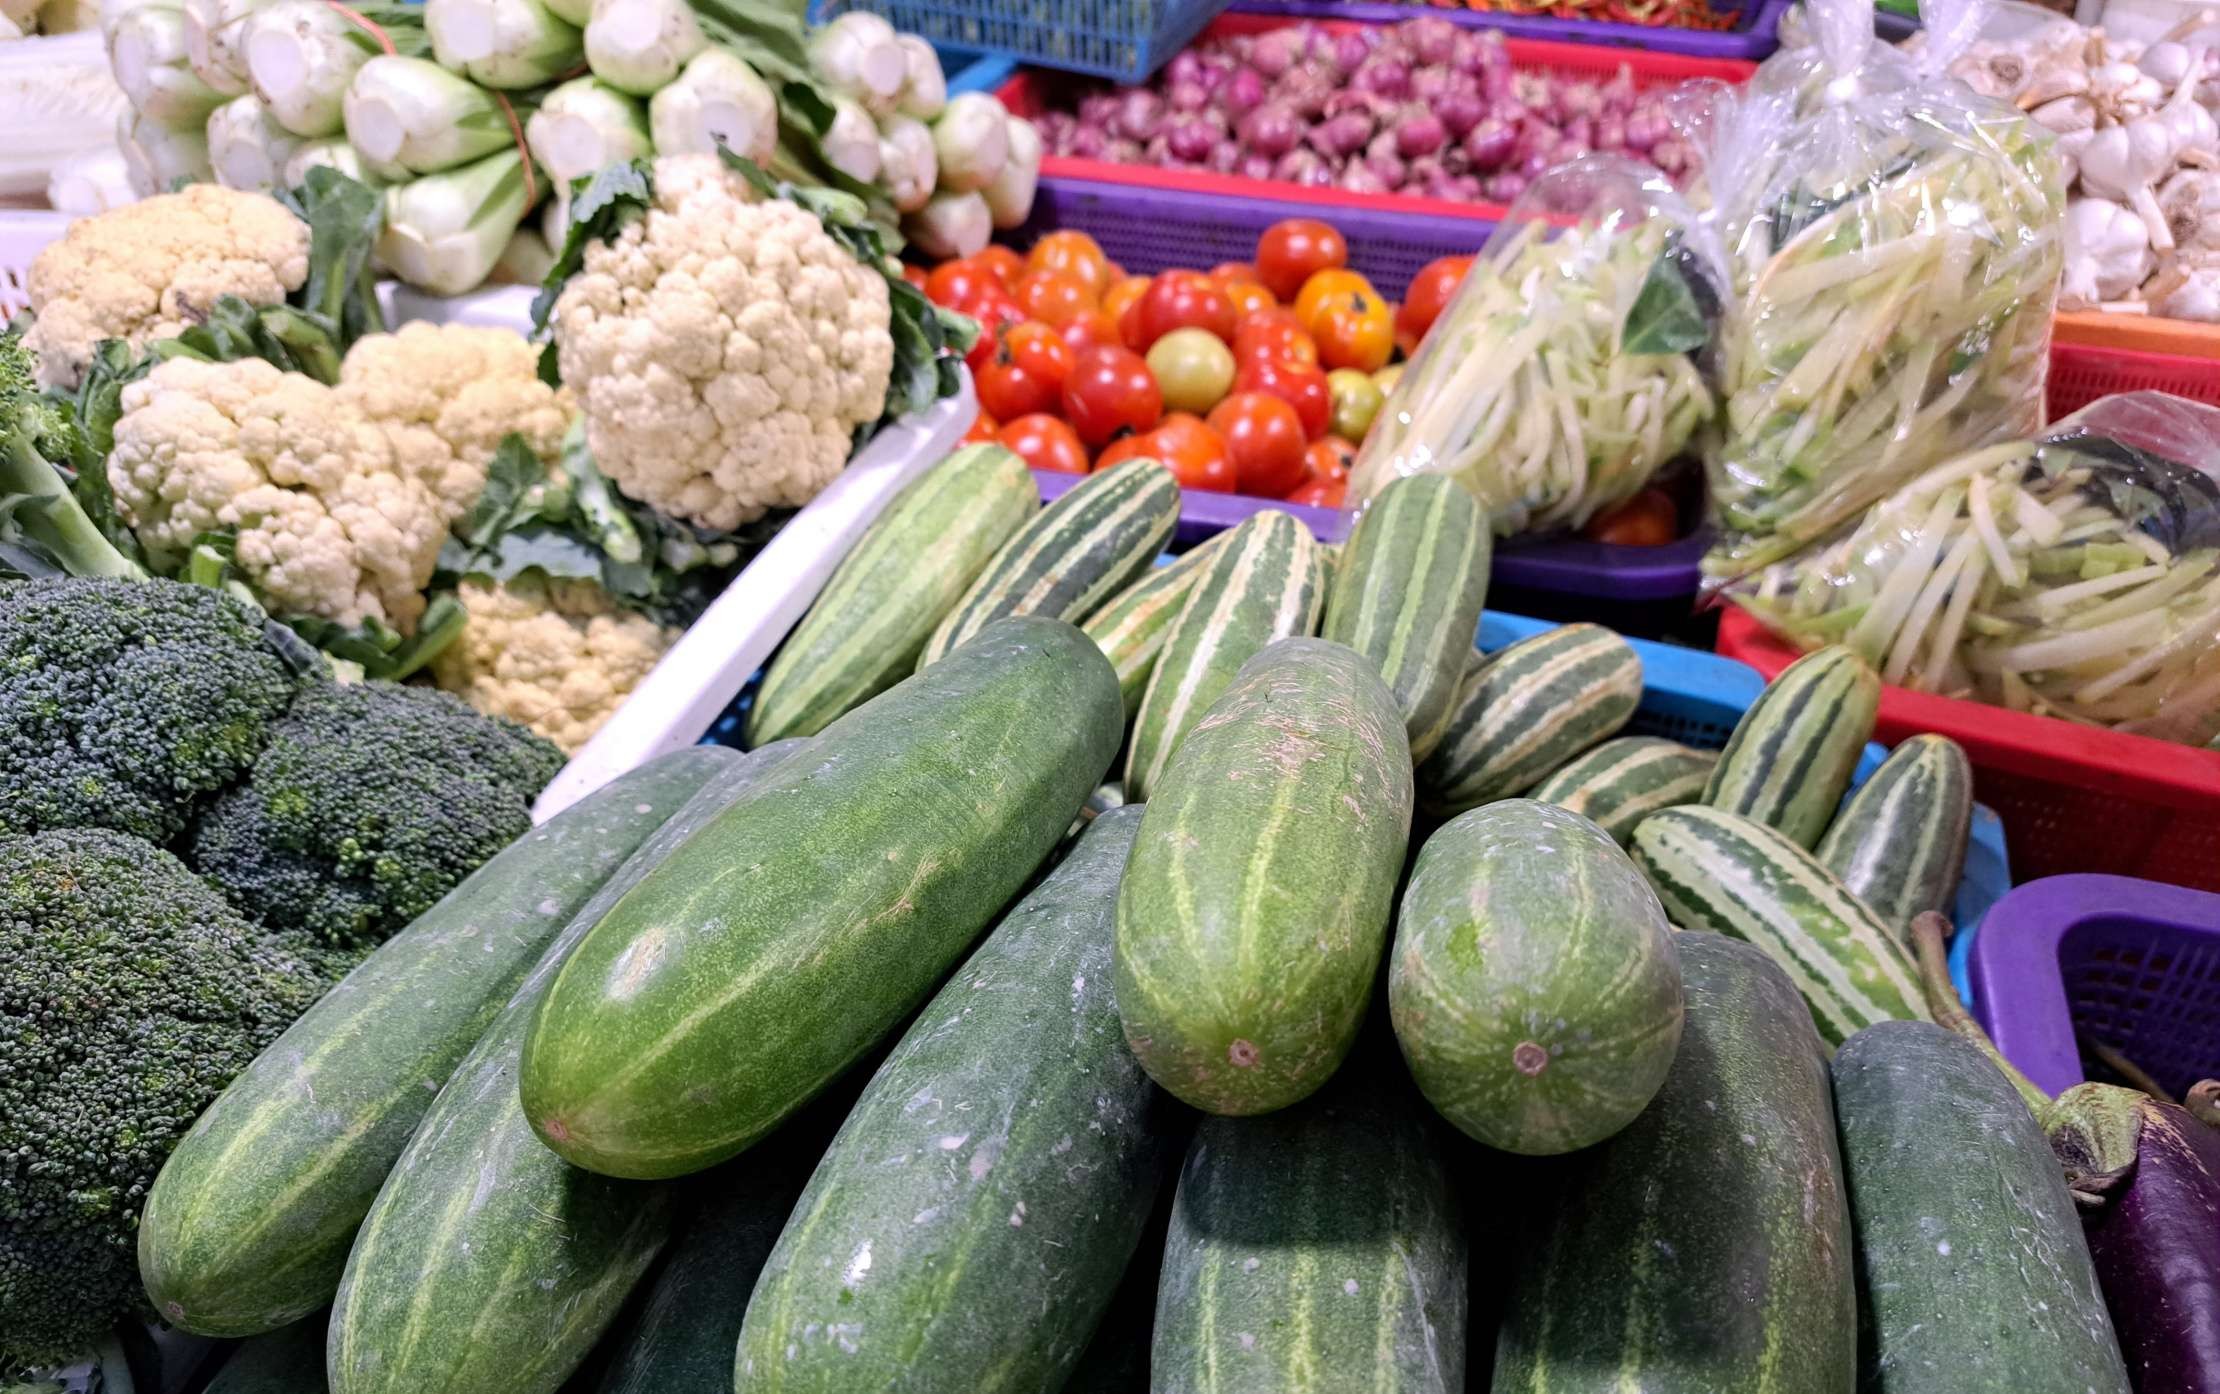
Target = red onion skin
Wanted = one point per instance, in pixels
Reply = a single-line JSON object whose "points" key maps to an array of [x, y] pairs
{"points": [[1610, 133], [1190, 138], [1388, 165], [1224, 157], [1385, 77], [1456, 188], [1305, 168], [1186, 66], [1489, 145], [1421, 133], [1187, 96], [1580, 130], [1242, 93], [1096, 108], [1123, 152], [1432, 41], [1497, 86], [1087, 143], [1139, 113], [1429, 84], [1460, 113], [1422, 172], [1350, 50], [1278, 51], [1254, 166], [1341, 135], [1271, 130], [1505, 187], [1359, 178], [1644, 129]]}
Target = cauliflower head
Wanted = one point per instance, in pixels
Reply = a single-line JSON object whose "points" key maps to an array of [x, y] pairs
{"points": [[446, 394], [328, 521], [148, 270], [724, 349], [557, 656]]}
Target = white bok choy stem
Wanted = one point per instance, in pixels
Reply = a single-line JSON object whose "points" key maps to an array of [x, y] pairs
{"points": [[503, 43], [247, 149], [301, 54], [413, 113], [584, 125], [851, 143], [157, 156], [951, 225], [445, 232], [717, 98], [1010, 192], [925, 87], [148, 53], [333, 152], [639, 46], [972, 140], [859, 55], [908, 167], [213, 29]]}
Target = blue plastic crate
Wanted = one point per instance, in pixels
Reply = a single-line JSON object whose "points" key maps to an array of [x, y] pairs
{"points": [[1121, 39]]}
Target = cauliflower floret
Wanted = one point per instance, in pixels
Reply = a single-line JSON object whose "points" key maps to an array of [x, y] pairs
{"points": [[326, 524], [147, 271], [445, 395], [724, 350], [557, 656]]}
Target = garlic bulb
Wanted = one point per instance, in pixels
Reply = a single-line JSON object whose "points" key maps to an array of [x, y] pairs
{"points": [[2108, 254]]}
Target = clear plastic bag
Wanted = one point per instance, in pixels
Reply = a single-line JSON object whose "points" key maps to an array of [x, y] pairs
{"points": [[1560, 377], [1894, 245], [2075, 574]]}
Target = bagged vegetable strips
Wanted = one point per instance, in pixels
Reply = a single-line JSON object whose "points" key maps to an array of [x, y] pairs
{"points": [[2074, 573], [1894, 244], [1559, 379]]}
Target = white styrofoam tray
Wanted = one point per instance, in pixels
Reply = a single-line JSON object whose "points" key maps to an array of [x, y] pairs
{"points": [[676, 703]]}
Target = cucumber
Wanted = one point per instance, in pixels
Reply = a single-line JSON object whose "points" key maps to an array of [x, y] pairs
{"points": [[1528, 708], [248, 1224], [1317, 1250], [1261, 585], [906, 573], [1794, 750], [486, 1262], [1626, 779], [1072, 556], [1716, 871], [765, 956], [1130, 629], [1256, 902], [1010, 1143], [1410, 596], [1533, 984], [1706, 1248], [289, 1360], [1900, 843], [1973, 1274]]}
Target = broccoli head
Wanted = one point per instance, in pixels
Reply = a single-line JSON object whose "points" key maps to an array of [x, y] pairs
{"points": [[369, 804], [130, 994], [123, 704]]}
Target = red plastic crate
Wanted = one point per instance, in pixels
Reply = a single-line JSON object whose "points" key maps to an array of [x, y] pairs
{"points": [[2081, 373], [2073, 798]]}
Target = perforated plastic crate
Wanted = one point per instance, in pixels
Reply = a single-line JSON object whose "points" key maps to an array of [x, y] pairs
{"points": [[2081, 373], [1123, 39]]}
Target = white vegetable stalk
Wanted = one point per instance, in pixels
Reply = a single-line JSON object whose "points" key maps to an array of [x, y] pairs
{"points": [[717, 98], [213, 29], [584, 125], [445, 232], [639, 46], [851, 143], [149, 56], [859, 55], [971, 140], [157, 156], [333, 152], [414, 114], [555, 218], [527, 259], [908, 166], [91, 181], [112, 12], [246, 148], [1010, 193], [300, 56], [925, 88], [503, 43], [951, 225]]}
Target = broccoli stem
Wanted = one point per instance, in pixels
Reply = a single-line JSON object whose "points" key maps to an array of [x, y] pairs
{"points": [[49, 513]]}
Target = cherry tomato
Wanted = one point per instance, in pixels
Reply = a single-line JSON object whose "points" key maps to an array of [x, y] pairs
{"points": [[1274, 334], [1354, 330], [1646, 520], [1075, 253], [1184, 300], [1321, 493], [1195, 454], [1194, 367], [1123, 292], [1320, 290], [1111, 390], [1265, 438], [1356, 400], [983, 428], [954, 282], [1095, 329], [1041, 351], [1293, 251], [1300, 385], [915, 275], [1124, 448], [1006, 265], [995, 311], [1045, 442], [1428, 295], [1053, 297], [1225, 273], [1026, 373], [1328, 459], [1249, 297], [1129, 327]]}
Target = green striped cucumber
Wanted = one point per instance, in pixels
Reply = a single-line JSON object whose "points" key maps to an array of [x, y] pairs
{"points": [[1526, 709], [486, 1262], [1410, 595], [1010, 1143], [1071, 556], [1973, 1274], [1794, 750], [1626, 779], [247, 1227], [777, 946], [1317, 1250], [1130, 629], [906, 573], [1900, 843], [289, 1360], [1255, 905], [1261, 586], [1717, 871], [1533, 984], [1706, 1248]]}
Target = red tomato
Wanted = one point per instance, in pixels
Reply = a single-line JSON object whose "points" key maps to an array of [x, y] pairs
{"points": [[1328, 459], [954, 282], [1183, 300], [1122, 293], [1006, 265], [1300, 385], [1045, 442], [1249, 298], [1026, 373], [915, 275], [1129, 327], [1292, 251], [1428, 295], [995, 311], [1274, 334], [983, 428], [1646, 520], [1041, 351], [1354, 330], [1265, 438], [1124, 448], [1053, 297], [1321, 493], [1195, 454], [1095, 329], [1111, 390], [1075, 253]]}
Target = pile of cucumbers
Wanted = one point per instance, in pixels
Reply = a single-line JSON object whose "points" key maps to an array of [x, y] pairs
{"points": [[894, 1054]]}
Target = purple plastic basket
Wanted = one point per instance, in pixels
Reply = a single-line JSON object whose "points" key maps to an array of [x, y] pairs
{"points": [[2133, 964], [1752, 37], [1149, 230], [1567, 566]]}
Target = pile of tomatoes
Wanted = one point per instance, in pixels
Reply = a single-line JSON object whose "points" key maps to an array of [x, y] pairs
{"points": [[1254, 377]]}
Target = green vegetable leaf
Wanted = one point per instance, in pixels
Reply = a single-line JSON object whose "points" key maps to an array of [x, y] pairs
{"points": [[344, 219], [2163, 498], [515, 491], [602, 205], [376, 647], [291, 339], [1676, 307]]}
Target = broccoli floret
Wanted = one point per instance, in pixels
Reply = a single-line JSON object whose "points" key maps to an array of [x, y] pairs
{"points": [[123, 704], [370, 802], [130, 994]]}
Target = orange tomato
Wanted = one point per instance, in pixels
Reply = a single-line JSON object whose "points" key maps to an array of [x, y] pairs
{"points": [[1321, 493], [1124, 448], [1122, 293], [954, 282], [1225, 273], [1195, 454], [1649, 519], [1329, 458], [1428, 295], [1355, 330], [1006, 265], [1095, 329], [1074, 253], [1249, 297], [1323, 288], [1265, 439], [983, 428], [1045, 442], [1273, 334], [1292, 251], [1302, 386], [1052, 297]]}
